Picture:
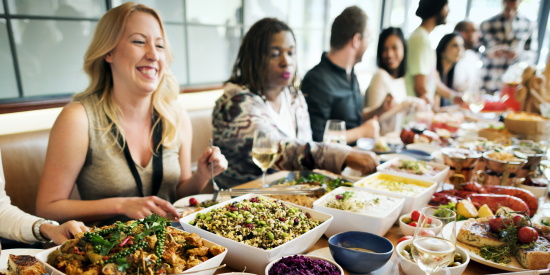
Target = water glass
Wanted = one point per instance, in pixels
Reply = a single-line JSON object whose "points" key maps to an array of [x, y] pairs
{"points": [[431, 250], [475, 100], [335, 131]]}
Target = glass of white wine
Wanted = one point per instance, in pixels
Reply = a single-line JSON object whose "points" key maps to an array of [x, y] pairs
{"points": [[335, 131], [264, 151], [475, 100], [431, 251]]}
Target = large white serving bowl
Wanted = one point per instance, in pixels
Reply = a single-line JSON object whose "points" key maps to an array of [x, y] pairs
{"points": [[241, 256], [376, 223], [412, 201], [211, 263], [410, 268], [439, 177]]}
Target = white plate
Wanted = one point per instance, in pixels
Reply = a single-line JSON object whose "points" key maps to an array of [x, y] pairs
{"points": [[386, 157], [16, 251], [365, 144], [389, 268], [514, 265], [351, 174], [184, 202]]}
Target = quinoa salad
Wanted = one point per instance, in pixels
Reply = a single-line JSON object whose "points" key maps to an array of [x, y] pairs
{"points": [[259, 221]]}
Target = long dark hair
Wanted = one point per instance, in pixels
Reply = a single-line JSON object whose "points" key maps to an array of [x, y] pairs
{"points": [[250, 68], [381, 40], [445, 40]]}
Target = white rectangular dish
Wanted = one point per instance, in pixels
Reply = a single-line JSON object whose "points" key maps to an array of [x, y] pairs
{"points": [[373, 217], [254, 259], [439, 175], [42, 257], [417, 193]]}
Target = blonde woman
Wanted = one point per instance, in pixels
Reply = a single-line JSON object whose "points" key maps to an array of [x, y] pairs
{"points": [[124, 141]]}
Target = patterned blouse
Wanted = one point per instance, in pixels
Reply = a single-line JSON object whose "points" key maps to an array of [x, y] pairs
{"points": [[239, 112]]}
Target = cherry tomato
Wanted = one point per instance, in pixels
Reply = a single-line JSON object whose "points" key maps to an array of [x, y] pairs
{"points": [[527, 235], [413, 224], [427, 232], [415, 215], [404, 238], [498, 224], [193, 202]]}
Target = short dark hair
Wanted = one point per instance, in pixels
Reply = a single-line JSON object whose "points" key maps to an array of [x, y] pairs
{"points": [[461, 26], [381, 40], [250, 68], [351, 21]]}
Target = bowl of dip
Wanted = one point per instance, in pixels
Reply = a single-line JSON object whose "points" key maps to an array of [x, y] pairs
{"points": [[416, 192], [354, 209]]}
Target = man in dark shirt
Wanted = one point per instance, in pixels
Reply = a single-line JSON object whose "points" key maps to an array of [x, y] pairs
{"points": [[331, 88]]}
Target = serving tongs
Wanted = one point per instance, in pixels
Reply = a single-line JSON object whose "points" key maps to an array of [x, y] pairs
{"points": [[298, 189]]}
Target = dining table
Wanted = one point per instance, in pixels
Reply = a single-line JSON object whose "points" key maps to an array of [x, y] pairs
{"points": [[393, 234]]}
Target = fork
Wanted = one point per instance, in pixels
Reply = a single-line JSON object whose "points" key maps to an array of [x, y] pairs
{"points": [[214, 184]]}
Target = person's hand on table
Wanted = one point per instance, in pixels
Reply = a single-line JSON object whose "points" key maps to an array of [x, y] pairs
{"points": [[60, 233], [139, 208], [364, 161]]}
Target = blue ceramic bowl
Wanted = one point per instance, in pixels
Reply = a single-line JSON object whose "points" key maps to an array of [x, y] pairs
{"points": [[357, 261]]}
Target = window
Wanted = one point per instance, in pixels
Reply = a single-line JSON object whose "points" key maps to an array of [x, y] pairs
{"points": [[7, 73], [42, 42]]}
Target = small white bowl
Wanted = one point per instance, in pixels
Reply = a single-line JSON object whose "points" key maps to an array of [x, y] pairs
{"points": [[410, 268], [408, 230], [268, 267], [538, 191]]}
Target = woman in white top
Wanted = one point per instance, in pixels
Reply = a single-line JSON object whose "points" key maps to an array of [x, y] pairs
{"points": [[386, 96]]}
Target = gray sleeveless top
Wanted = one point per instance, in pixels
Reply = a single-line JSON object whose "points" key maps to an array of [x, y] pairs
{"points": [[105, 173]]}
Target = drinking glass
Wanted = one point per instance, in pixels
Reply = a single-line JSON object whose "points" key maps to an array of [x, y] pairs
{"points": [[431, 251], [335, 131], [475, 100], [264, 151]]}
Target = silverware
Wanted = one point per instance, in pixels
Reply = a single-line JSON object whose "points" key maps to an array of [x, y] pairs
{"points": [[529, 272], [214, 184], [279, 190], [196, 271]]}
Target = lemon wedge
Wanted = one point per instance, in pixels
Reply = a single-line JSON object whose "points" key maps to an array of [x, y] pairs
{"points": [[485, 211], [466, 209]]}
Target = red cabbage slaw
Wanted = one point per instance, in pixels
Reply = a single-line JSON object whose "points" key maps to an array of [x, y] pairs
{"points": [[302, 265]]}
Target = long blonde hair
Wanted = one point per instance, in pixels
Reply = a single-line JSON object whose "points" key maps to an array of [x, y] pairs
{"points": [[107, 34]]}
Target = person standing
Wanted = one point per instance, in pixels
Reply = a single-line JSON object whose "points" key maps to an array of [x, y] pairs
{"points": [[466, 71], [421, 78], [331, 88], [507, 38]]}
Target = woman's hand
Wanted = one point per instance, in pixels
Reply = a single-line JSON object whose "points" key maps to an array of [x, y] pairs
{"points": [[211, 156], [60, 233], [139, 208], [363, 161]]}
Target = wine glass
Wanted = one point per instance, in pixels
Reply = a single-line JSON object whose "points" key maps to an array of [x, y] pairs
{"points": [[475, 100], [335, 131], [264, 151], [431, 251]]}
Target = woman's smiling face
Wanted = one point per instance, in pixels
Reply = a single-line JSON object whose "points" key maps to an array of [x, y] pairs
{"points": [[393, 52], [138, 60]]}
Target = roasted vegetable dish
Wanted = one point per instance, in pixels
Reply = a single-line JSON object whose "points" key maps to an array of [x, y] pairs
{"points": [[147, 246], [259, 221]]}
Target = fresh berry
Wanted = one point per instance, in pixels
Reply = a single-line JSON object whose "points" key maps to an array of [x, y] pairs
{"points": [[193, 202]]}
